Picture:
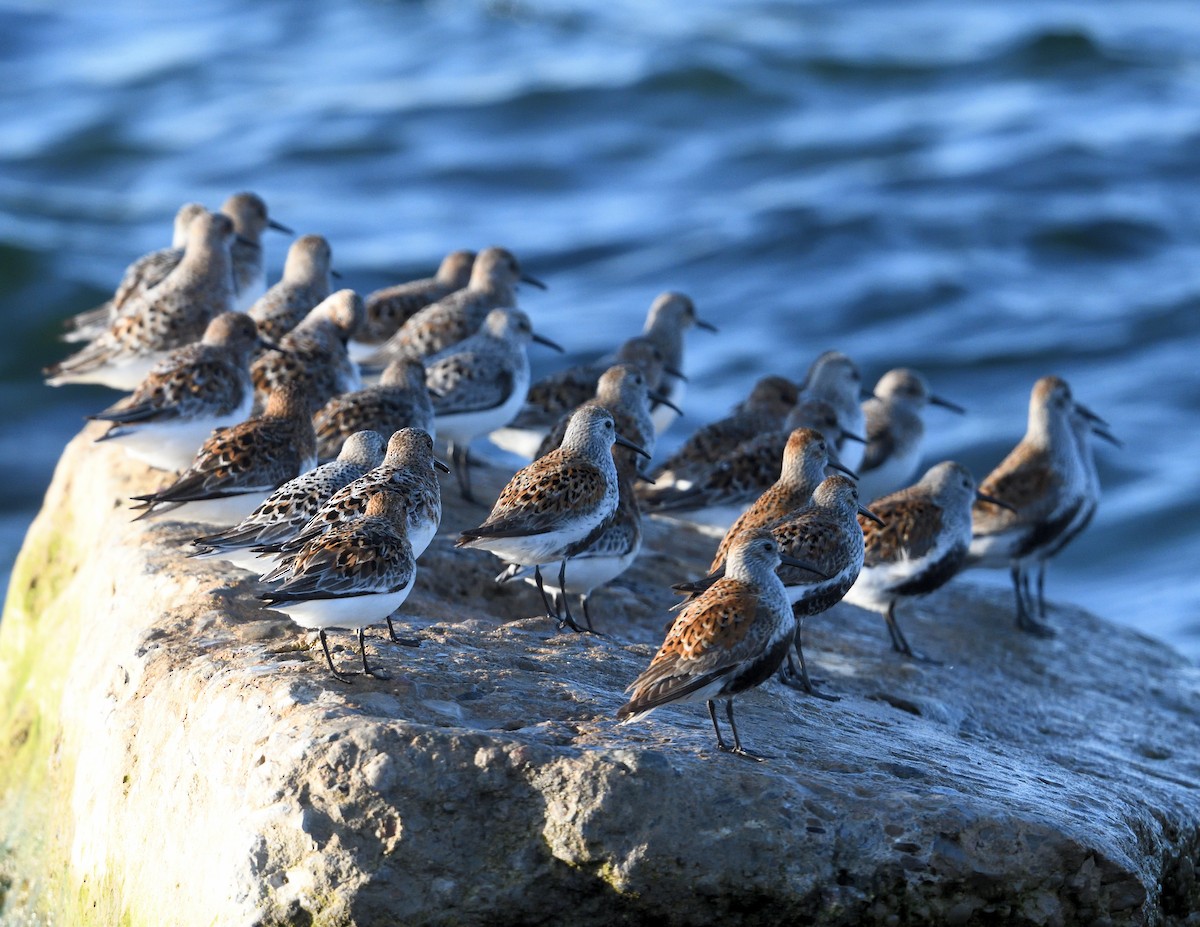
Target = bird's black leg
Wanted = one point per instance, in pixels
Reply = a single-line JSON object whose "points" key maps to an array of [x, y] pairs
{"points": [[712, 713], [1025, 621], [587, 615], [898, 641], [329, 658], [800, 680], [738, 749], [397, 639], [1041, 588], [566, 621], [362, 649], [551, 611]]}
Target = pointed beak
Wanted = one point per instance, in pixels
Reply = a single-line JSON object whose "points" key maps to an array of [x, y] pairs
{"points": [[803, 565], [846, 470], [268, 345], [947, 404], [542, 339], [242, 239], [334, 274], [659, 399], [1107, 435], [640, 477], [849, 436], [441, 465], [279, 227], [675, 372], [867, 513], [992, 500], [1090, 415], [532, 281], [707, 326], [636, 448]]}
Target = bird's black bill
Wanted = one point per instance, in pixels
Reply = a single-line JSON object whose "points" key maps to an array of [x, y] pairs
{"points": [[846, 470], [1107, 435], [1090, 415], [947, 404], [867, 513], [803, 565], [675, 372], [542, 339], [992, 500], [533, 281], [279, 227], [636, 448], [334, 274], [707, 326], [441, 465], [243, 240], [664, 401], [850, 436]]}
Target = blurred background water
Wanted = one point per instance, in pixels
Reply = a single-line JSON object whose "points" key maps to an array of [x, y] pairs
{"points": [[988, 192]]}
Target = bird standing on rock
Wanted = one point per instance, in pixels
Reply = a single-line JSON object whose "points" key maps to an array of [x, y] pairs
{"points": [[556, 502], [731, 638]]}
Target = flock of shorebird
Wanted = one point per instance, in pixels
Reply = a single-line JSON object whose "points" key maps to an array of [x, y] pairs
{"points": [[328, 486]]}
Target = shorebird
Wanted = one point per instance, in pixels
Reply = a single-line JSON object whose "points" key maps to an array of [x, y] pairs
{"points": [[556, 502], [314, 353], [719, 495], [293, 505], [407, 471], [493, 285], [400, 400], [623, 391], [671, 314], [1084, 424], [479, 384], [192, 391], [147, 271], [250, 220], [391, 307], [596, 562], [731, 638], [835, 379], [306, 282], [895, 427], [920, 546], [1042, 485], [168, 316], [237, 467], [353, 576]]}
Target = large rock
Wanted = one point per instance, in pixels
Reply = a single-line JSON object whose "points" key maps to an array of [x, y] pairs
{"points": [[175, 754]]}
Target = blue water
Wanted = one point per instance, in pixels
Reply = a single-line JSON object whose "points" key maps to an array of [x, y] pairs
{"points": [[988, 192]]}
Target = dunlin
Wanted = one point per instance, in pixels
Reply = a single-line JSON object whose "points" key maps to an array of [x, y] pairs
{"points": [[400, 400], [306, 282], [250, 220], [920, 546], [479, 384], [731, 638], [1043, 483], [147, 271], [597, 561], [764, 410], [556, 502], [835, 379], [671, 314], [895, 427], [560, 393], [314, 353], [407, 470], [353, 576], [391, 307], [172, 314], [189, 393], [293, 505], [493, 285], [623, 391], [237, 467]]}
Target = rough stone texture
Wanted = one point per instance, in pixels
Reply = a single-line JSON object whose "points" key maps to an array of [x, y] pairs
{"points": [[174, 754]]}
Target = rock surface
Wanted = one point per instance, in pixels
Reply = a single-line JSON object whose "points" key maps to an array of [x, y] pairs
{"points": [[175, 754]]}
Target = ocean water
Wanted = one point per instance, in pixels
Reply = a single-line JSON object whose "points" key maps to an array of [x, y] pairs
{"points": [[988, 192]]}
